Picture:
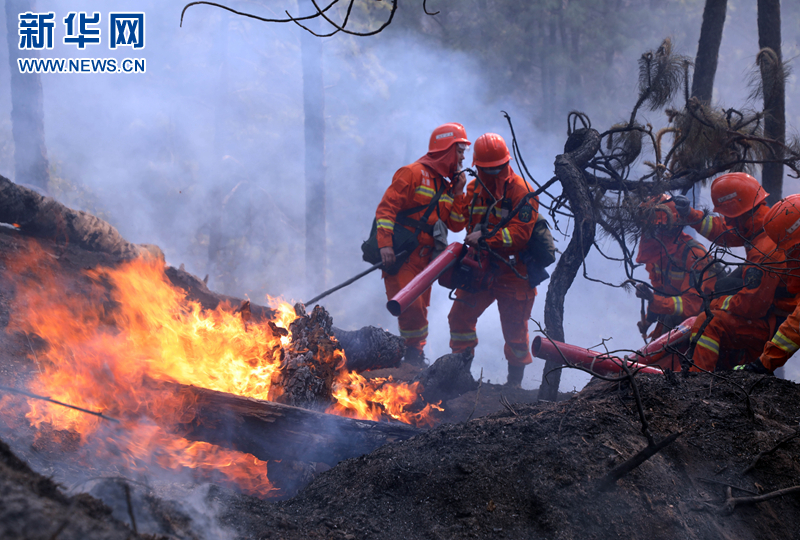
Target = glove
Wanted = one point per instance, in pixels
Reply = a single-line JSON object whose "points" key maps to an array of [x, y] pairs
{"points": [[682, 205], [643, 326], [643, 291], [754, 367]]}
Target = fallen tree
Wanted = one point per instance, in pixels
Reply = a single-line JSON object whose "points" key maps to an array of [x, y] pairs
{"points": [[273, 431], [45, 217]]}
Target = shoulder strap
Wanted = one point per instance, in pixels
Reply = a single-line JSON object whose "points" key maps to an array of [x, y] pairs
{"points": [[422, 224], [689, 245]]}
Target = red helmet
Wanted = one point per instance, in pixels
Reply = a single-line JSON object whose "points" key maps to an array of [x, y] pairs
{"points": [[782, 222], [659, 211], [490, 151], [736, 193], [446, 135]]}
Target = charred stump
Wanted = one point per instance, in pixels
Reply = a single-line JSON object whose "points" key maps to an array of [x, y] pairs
{"points": [[581, 146], [310, 362]]}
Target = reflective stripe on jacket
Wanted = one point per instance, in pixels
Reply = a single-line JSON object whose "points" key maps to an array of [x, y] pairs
{"points": [[415, 185]]}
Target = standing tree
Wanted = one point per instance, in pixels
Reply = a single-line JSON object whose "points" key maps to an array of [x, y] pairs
{"points": [[581, 146], [27, 113], [705, 64], [774, 90], [314, 108]]}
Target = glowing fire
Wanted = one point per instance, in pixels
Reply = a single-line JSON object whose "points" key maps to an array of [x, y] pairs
{"points": [[110, 333]]}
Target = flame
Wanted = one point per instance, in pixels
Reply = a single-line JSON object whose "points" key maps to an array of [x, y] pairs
{"points": [[370, 399], [117, 328]]}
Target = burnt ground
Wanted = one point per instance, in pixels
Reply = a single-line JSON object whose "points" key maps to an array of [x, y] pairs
{"points": [[522, 470]]}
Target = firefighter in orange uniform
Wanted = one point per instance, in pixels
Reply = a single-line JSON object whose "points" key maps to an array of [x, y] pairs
{"points": [[404, 204], [743, 307], [782, 224], [674, 263], [487, 202]]}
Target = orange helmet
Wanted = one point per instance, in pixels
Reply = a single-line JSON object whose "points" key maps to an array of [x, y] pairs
{"points": [[490, 151], [782, 222], [736, 193], [446, 135], [659, 211]]}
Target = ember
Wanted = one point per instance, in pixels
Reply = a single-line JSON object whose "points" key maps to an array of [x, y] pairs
{"points": [[118, 328]]}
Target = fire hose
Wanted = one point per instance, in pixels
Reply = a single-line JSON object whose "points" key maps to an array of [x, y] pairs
{"points": [[446, 259], [600, 363], [649, 359]]}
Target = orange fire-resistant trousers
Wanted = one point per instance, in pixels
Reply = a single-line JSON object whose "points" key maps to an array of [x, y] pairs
{"points": [[741, 340], [514, 301], [413, 322]]}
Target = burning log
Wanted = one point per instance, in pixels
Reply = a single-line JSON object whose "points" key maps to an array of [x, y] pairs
{"points": [[47, 218], [366, 349], [272, 431], [370, 348], [196, 290]]}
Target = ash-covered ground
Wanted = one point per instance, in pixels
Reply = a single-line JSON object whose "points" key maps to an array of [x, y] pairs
{"points": [[516, 469]]}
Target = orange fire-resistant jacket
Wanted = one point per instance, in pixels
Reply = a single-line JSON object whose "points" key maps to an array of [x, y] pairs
{"points": [[674, 266], [716, 229], [509, 190], [765, 264], [786, 340], [784, 343], [513, 294], [416, 185], [751, 306]]}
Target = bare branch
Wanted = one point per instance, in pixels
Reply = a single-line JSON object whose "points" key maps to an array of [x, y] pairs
{"points": [[425, 8], [49, 400], [770, 451], [732, 502], [250, 15]]}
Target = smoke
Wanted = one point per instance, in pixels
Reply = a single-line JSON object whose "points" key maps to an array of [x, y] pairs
{"points": [[203, 153], [179, 510]]}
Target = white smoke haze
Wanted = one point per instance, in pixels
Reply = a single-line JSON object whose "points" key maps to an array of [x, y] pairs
{"points": [[206, 149]]}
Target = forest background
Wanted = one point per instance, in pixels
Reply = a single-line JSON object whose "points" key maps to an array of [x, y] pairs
{"points": [[204, 153]]}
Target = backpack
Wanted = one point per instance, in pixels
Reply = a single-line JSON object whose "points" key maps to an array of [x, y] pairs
{"points": [[539, 253], [404, 240]]}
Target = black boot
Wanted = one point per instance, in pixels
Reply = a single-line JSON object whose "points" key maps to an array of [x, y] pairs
{"points": [[515, 374], [415, 357]]}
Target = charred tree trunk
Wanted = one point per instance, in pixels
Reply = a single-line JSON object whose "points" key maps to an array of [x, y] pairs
{"points": [[27, 111], [196, 290], [705, 64], [370, 348], [272, 431], [45, 217], [581, 146], [773, 83], [314, 108]]}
